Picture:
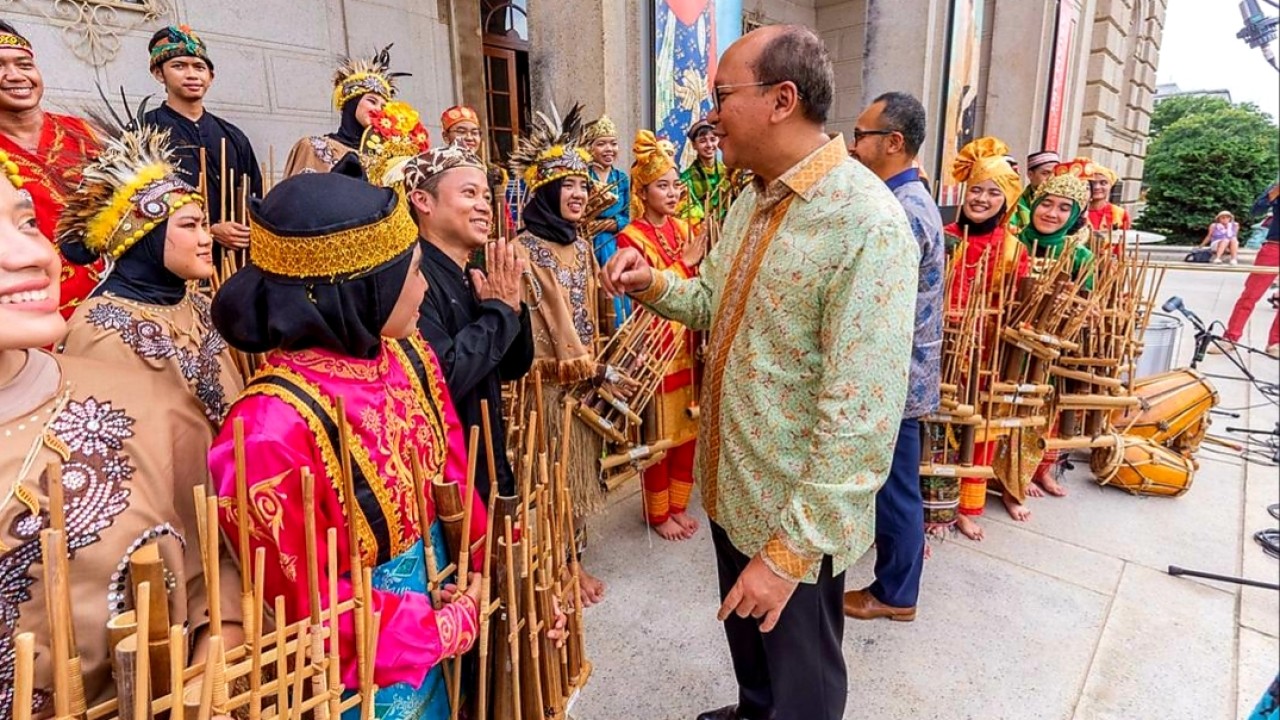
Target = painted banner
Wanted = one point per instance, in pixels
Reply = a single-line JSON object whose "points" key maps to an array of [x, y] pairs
{"points": [[1063, 47], [688, 37], [960, 106]]}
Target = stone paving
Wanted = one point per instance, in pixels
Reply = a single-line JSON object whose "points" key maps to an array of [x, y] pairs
{"points": [[1068, 616]]}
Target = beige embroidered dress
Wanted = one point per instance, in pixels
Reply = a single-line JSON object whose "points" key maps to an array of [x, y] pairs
{"points": [[132, 450], [315, 153], [178, 341], [810, 300]]}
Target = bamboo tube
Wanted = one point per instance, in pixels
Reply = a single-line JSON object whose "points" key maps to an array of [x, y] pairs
{"points": [[242, 526], [269, 181], [146, 566], [206, 686], [369, 690], [1089, 402], [335, 651], [464, 558], [282, 660], [486, 606], [490, 457], [24, 675], [222, 181], [124, 670], [255, 637], [353, 540], [142, 687], [635, 454], [513, 621], [1079, 443], [315, 653], [204, 177], [53, 543], [299, 662], [974, 471], [212, 578], [177, 668]]}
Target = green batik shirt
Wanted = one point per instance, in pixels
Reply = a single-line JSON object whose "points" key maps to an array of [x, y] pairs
{"points": [[700, 184], [810, 300]]}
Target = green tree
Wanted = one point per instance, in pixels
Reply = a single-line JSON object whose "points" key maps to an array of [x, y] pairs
{"points": [[1206, 155]]}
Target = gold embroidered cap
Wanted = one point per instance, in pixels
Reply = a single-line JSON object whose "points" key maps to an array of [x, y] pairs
{"points": [[131, 187], [357, 76], [1065, 185], [362, 227], [458, 114], [551, 150], [601, 127]]}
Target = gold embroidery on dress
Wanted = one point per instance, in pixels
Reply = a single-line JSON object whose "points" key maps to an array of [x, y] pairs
{"points": [[343, 368]]}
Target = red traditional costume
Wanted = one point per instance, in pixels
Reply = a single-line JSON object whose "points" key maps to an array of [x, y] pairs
{"points": [[66, 145]]}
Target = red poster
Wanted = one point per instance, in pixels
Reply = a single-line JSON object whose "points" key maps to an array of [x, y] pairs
{"points": [[1064, 45]]}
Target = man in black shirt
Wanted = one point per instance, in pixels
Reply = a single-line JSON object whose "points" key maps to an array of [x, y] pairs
{"points": [[472, 318], [180, 62]]}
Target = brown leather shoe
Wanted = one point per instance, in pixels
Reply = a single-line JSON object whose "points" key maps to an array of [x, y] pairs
{"points": [[862, 605]]}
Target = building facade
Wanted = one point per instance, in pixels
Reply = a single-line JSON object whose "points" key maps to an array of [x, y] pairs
{"points": [[1077, 76]]}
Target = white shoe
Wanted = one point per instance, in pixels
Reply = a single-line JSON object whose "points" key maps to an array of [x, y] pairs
{"points": [[1234, 261], [1217, 261], [1274, 350]]}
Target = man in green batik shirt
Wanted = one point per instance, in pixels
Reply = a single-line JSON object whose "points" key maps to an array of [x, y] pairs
{"points": [[704, 174], [810, 301]]}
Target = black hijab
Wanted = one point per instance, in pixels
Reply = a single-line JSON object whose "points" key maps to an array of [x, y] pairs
{"points": [[257, 311], [139, 274], [542, 216], [350, 130]]}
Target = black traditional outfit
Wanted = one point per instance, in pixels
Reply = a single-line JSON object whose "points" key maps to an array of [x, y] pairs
{"points": [[188, 137], [480, 344]]}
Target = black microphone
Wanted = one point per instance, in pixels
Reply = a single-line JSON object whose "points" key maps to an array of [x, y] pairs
{"points": [[1175, 304]]}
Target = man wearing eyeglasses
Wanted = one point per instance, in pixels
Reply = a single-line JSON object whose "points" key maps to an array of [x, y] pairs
{"points": [[810, 301], [886, 139]]}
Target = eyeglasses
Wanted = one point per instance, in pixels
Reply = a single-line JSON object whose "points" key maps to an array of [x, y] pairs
{"points": [[859, 134], [718, 95], [474, 134]]}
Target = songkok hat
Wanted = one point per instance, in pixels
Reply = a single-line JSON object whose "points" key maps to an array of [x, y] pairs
{"points": [[394, 135], [458, 114], [551, 150], [983, 160], [697, 127], [1044, 157], [424, 166], [603, 127], [358, 76], [653, 158], [177, 41], [129, 188]]}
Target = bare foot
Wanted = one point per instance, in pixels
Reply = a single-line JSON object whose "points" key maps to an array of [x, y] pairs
{"points": [[669, 529], [1050, 485], [969, 528], [1034, 490], [686, 522], [1017, 510], [928, 551], [592, 588]]}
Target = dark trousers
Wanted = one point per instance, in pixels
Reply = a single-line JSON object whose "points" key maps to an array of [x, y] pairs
{"points": [[900, 524], [796, 671]]}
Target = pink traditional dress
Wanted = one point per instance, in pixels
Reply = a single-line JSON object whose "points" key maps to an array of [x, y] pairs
{"points": [[397, 409]]}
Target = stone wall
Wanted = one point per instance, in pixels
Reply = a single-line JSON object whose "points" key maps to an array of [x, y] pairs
{"points": [[1120, 87], [274, 60]]}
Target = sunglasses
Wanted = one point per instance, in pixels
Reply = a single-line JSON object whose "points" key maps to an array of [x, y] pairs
{"points": [[859, 134]]}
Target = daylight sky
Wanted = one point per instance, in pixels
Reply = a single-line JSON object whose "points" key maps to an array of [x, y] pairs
{"points": [[1200, 51]]}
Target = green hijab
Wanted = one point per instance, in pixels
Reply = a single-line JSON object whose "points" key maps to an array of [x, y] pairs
{"points": [[1051, 244]]}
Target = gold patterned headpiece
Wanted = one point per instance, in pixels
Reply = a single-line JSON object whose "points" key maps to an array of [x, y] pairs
{"points": [[395, 134], [602, 127], [1064, 185], [551, 150], [14, 41], [124, 193], [358, 76], [337, 254], [984, 159], [654, 156], [427, 165]]}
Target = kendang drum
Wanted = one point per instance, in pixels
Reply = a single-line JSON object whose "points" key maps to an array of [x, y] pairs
{"points": [[1141, 466], [1174, 409]]}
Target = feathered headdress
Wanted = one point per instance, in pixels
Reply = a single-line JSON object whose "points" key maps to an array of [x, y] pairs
{"points": [[395, 134], [551, 150], [357, 76], [127, 190]]}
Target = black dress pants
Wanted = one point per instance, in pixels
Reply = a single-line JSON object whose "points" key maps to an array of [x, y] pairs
{"points": [[796, 671]]}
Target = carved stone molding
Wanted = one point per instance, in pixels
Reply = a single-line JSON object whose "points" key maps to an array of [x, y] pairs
{"points": [[92, 28]]}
